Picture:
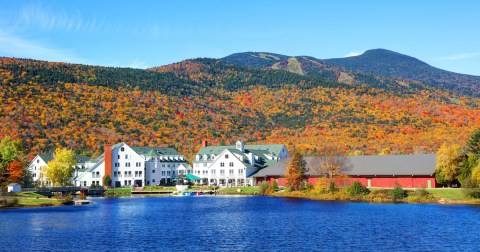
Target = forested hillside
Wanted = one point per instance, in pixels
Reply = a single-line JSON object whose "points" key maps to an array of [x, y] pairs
{"points": [[46, 105]]}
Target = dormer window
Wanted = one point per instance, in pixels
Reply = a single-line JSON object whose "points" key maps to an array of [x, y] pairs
{"points": [[213, 156], [122, 149], [226, 155]]}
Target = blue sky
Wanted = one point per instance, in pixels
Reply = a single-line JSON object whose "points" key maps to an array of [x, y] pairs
{"points": [[141, 34]]}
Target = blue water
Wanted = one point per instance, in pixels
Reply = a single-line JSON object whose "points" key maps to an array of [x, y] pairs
{"points": [[217, 223]]}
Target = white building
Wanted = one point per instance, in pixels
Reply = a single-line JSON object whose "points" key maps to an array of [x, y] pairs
{"points": [[234, 165], [130, 166], [14, 187], [39, 162]]}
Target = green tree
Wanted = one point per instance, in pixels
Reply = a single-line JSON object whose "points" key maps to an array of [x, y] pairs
{"points": [[449, 158], [9, 152], [59, 170], [473, 145], [295, 171], [107, 181], [469, 162]]}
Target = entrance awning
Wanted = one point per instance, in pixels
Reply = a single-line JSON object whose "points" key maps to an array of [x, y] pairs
{"points": [[192, 177]]}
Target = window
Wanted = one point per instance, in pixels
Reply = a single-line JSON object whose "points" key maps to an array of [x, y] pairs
{"points": [[114, 173], [138, 164], [204, 164], [197, 165], [168, 165], [213, 172], [136, 173], [122, 149], [163, 173], [130, 173], [173, 165], [240, 171], [127, 164], [126, 156], [153, 180], [140, 173], [173, 173], [222, 172], [226, 155], [118, 157], [230, 171], [153, 171], [38, 161], [126, 174], [231, 164], [168, 172], [163, 165], [222, 164]]}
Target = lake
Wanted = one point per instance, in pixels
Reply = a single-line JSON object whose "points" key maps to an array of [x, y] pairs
{"points": [[229, 223]]}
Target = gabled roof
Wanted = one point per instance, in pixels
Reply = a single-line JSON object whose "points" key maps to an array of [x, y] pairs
{"points": [[153, 151], [258, 149], [46, 157], [392, 165], [82, 158]]}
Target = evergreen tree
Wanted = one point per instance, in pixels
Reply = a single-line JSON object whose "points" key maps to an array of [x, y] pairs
{"points": [[473, 145], [295, 171]]}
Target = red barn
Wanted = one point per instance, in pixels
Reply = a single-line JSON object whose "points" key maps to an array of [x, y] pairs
{"points": [[409, 171]]}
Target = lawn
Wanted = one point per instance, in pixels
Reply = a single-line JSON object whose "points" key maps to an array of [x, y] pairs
{"points": [[39, 202], [249, 190], [448, 193]]}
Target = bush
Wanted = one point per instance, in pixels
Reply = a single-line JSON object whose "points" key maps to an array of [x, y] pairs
{"points": [[265, 188], [398, 193], [275, 185], [471, 189], [322, 185], [332, 187], [67, 200], [422, 192], [8, 202], [356, 188]]}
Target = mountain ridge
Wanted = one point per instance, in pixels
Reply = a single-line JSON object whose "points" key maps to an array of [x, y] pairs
{"points": [[379, 63]]}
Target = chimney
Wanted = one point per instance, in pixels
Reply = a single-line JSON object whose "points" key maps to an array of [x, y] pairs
{"points": [[204, 143], [251, 158], [108, 161]]}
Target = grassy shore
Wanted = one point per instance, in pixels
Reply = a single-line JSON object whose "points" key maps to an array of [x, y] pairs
{"points": [[435, 195], [29, 199]]}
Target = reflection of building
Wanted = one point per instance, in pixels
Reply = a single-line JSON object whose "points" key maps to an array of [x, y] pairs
{"points": [[234, 165], [409, 171], [133, 166]]}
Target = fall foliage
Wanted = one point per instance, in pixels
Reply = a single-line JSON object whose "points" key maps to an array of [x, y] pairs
{"points": [[295, 171], [46, 106], [59, 170]]}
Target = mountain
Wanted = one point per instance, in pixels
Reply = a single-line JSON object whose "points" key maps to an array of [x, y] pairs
{"points": [[46, 105], [392, 64], [374, 67]]}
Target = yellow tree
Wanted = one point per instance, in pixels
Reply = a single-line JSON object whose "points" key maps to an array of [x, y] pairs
{"points": [[295, 171], [449, 158], [59, 170], [476, 174]]}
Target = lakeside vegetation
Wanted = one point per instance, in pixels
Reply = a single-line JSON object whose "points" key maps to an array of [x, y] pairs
{"points": [[32, 199]]}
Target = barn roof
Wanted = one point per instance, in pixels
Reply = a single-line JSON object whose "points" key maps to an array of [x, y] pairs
{"points": [[392, 165]]}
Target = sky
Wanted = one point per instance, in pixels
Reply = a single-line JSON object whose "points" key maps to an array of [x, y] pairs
{"points": [[142, 34]]}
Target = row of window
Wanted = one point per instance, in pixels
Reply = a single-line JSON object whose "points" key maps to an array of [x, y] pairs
{"points": [[127, 174], [127, 164], [222, 172]]}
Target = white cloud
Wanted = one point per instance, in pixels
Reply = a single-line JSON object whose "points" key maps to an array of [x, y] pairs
{"points": [[12, 45], [354, 53], [460, 56]]}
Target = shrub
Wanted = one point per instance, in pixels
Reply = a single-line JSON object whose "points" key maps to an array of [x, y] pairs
{"points": [[398, 193], [67, 200], [332, 187], [422, 192], [275, 185], [356, 188], [322, 185], [265, 188], [471, 188], [8, 202]]}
